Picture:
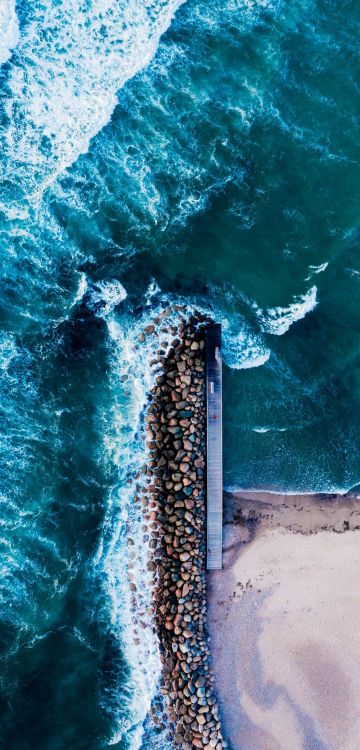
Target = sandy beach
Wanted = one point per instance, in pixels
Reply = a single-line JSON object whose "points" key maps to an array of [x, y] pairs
{"points": [[284, 621]]}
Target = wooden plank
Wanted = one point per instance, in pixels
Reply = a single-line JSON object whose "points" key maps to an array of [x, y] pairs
{"points": [[214, 491]]}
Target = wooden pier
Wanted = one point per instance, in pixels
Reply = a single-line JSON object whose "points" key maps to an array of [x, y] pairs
{"points": [[214, 500]]}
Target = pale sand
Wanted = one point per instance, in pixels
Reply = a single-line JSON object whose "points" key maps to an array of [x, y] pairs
{"points": [[284, 618]]}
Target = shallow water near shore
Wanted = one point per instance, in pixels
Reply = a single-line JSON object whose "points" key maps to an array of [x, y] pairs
{"points": [[152, 153]]}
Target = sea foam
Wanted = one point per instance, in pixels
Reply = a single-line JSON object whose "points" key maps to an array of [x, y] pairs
{"points": [[242, 348], [123, 548], [106, 295], [9, 29], [314, 270], [277, 320], [72, 61]]}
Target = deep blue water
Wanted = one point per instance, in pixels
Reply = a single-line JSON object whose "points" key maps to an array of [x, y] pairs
{"points": [[209, 158]]}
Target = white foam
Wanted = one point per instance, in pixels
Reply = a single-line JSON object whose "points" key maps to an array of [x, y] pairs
{"points": [[8, 351], [322, 490], [73, 60], [151, 291], [81, 290], [130, 612], [242, 349], [317, 269], [9, 29], [278, 320], [106, 295], [262, 430]]}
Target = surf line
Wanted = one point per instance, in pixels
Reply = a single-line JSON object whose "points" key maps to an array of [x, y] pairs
{"points": [[174, 487]]}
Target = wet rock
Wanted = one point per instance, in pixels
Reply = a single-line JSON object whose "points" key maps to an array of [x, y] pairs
{"points": [[174, 497]]}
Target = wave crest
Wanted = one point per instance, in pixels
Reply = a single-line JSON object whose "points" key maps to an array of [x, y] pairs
{"points": [[277, 320]]}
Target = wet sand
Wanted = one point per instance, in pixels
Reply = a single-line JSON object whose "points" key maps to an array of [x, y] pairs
{"points": [[284, 618]]}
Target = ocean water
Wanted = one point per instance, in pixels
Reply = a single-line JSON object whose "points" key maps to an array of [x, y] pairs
{"points": [[158, 151]]}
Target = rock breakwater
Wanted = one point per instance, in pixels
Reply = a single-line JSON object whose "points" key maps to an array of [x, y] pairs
{"points": [[176, 443]]}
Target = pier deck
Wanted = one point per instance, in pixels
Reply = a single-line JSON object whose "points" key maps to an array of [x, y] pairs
{"points": [[214, 501]]}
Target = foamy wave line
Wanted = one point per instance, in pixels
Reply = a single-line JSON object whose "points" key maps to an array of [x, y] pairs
{"points": [[314, 270], [277, 320], [233, 488], [269, 429], [73, 60], [9, 29], [124, 551], [81, 290], [241, 348], [123, 546]]}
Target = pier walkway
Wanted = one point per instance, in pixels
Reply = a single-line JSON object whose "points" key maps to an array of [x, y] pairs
{"points": [[214, 501]]}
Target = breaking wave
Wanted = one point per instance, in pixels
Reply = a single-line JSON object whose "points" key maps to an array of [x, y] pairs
{"points": [[277, 320], [62, 87]]}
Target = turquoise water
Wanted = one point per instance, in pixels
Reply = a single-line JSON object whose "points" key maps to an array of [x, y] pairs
{"points": [[211, 158]]}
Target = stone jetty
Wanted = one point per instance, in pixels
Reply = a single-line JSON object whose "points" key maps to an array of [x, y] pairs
{"points": [[176, 471]]}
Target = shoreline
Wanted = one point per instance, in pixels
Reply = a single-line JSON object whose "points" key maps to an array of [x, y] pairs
{"points": [[283, 616], [291, 493]]}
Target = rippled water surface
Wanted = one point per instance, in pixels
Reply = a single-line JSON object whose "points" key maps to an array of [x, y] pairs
{"points": [[153, 151]]}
